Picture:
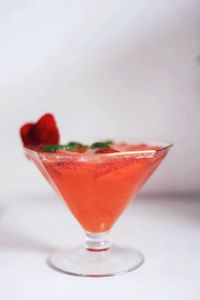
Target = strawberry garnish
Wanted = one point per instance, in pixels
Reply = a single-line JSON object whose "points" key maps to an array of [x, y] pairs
{"points": [[43, 132], [26, 133], [81, 149], [105, 150]]}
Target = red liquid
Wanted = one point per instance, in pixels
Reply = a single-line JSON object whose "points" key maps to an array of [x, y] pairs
{"points": [[98, 188]]}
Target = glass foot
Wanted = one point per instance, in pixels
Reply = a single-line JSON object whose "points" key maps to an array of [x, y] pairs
{"points": [[89, 263]]}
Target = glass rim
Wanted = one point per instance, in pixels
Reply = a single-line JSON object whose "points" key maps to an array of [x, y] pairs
{"points": [[163, 146]]}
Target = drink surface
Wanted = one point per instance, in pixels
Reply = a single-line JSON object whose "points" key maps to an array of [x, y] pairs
{"points": [[97, 186]]}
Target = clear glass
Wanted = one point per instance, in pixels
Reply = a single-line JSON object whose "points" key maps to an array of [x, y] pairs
{"points": [[100, 261], [97, 189]]}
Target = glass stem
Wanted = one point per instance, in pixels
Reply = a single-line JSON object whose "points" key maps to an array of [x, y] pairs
{"points": [[97, 241]]}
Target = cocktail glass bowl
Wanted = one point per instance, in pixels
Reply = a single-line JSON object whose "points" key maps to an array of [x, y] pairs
{"points": [[97, 188]]}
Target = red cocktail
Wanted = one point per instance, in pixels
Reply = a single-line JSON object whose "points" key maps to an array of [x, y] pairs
{"points": [[97, 184]]}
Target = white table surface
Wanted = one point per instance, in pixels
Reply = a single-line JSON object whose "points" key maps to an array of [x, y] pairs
{"points": [[166, 229]]}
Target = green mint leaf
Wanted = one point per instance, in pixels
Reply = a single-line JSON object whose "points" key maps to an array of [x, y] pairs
{"points": [[105, 144], [70, 146], [50, 148], [74, 145]]}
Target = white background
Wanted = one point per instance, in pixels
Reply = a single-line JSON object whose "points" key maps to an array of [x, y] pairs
{"points": [[104, 68], [113, 68]]}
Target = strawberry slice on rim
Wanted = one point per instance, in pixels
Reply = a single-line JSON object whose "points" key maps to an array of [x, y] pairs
{"points": [[105, 150], [43, 132]]}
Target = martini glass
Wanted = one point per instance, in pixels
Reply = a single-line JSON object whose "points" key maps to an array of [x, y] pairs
{"points": [[97, 188]]}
